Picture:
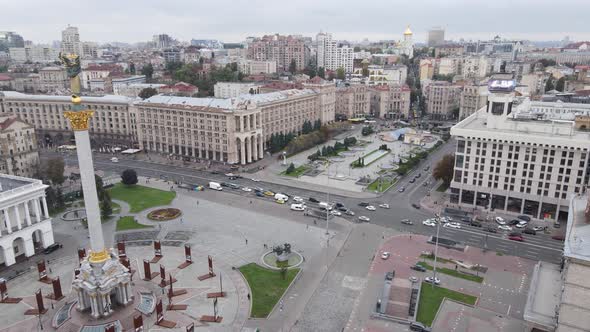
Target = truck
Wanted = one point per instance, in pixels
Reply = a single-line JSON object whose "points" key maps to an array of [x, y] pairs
{"points": [[215, 186], [282, 197]]}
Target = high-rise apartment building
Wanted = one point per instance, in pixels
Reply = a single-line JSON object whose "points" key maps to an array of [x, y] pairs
{"points": [[162, 41], [436, 36], [331, 56], [442, 99], [70, 41], [281, 49], [10, 39]]}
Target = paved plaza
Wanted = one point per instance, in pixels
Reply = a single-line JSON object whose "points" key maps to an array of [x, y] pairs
{"points": [[232, 229]]}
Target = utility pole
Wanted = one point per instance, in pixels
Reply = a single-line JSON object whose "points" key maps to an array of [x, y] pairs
{"points": [[436, 248]]}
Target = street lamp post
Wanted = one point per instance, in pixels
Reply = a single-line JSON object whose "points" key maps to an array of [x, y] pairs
{"points": [[436, 248]]}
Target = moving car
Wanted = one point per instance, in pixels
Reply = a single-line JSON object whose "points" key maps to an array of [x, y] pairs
{"points": [[418, 267], [370, 208], [215, 186], [255, 180], [342, 208], [385, 255], [349, 212], [114, 160], [52, 248], [246, 189], [429, 223], [335, 213], [475, 223], [280, 201], [558, 237], [452, 225], [297, 207], [363, 204], [259, 194], [516, 237], [325, 206], [430, 280], [413, 279], [402, 189], [529, 231], [269, 193], [513, 222], [298, 199], [384, 205], [412, 180], [282, 197], [313, 200], [419, 327], [525, 218], [419, 175], [505, 227], [338, 205], [233, 186], [365, 219], [522, 224], [490, 230], [540, 228], [416, 206], [500, 221], [407, 222]]}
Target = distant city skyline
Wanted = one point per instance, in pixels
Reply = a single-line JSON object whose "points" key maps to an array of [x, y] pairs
{"points": [[232, 21]]}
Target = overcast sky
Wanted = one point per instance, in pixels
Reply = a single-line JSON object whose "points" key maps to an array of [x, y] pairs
{"points": [[231, 20]]}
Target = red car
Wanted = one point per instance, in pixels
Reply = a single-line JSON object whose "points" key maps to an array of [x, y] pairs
{"points": [[558, 237], [516, 238]]}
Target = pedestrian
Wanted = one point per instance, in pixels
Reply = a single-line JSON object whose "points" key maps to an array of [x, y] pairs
{"points": [[315, 222], [197, 202], [248, 296], [456, 267], [306, 226], [246, 241], [181, 220], [281, 305], [250, 201]]}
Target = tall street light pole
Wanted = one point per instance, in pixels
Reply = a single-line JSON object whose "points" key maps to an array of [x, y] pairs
{"points": [[436, 248]]}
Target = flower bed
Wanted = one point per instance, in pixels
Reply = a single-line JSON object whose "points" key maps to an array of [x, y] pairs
{"points": [[164, 214]]}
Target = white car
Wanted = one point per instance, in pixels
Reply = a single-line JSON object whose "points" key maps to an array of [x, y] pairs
{"points": [[452, 225], [505, 228], [384, 205], [370, 208], [230, 174], [413, 279], [246, 189], [335, 213], [385, 255], [114, 160], [431, 280], [297, 207], [500, 221], [298, 199], [255, 180], [365, 219], [428, 223], [522, 224]]}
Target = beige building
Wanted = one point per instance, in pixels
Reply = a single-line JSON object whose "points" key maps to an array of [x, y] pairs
{"points": [[390, 102], [111, 124], [427, 69], [52, 79], [282, 49], [326, 95], [234, 89], [442, 98], [473, 97], [353, 100], [18, 147], [254, 67]]}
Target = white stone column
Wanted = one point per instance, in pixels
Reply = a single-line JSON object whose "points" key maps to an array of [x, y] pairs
{"points": [[260, 146], [8, 225], [45, 206], [9, 256], [86, 166], [37, 209], [47, 238], [80, 305], [94, 306], [128, 293], [243, 152], [29, 247], [17, 216], [27, 213], [249, 149]]}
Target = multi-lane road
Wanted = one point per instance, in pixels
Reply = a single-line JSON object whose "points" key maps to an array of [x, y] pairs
{"points": [[535, 247]]}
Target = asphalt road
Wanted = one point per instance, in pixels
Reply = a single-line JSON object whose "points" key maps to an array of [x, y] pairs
{"points": [[535, 247]]}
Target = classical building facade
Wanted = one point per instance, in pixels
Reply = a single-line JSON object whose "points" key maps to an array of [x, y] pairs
{"points": [[442, 98], [18, 147], [519, 159], [390, 101], [473, 98], [353, 100], [25, 225], [53, 79]]}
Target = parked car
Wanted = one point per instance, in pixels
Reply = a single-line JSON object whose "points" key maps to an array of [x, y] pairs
{"points": [[525, 218], [389, 276], [342, 208], [335, 213], [224, 184], [370, 208], [269, 193], [500, 221], [407, 222], [540, 228], [490, 230], [529, 231], [430, 280], [418, 267], [558, 237], [419, 327], [402, 189], [522, 224], [246, 189], [385, 255], [556, 224], [413, 279], [280, 201], [364, 218], [426, 168], [297, 207], [513, 222], [412, 180], [313, 200], [52, 248], [505, 227], [114, 160], [466, 219], [363, 204], [384, 205], [419, 175], [429, 223], [298, 199], [338, 205], [259, 194], [475, 223], [349, 212], [416, 206]]}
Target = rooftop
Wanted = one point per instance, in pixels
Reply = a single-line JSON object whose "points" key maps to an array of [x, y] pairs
{"points": [[577, 237], [8, 182], [453, 316], [12, 95], [544, 295]]}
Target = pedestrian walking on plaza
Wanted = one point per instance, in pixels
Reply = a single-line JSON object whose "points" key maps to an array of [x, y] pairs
{"points": [[246, 241], [248, 296], [250, 201]]}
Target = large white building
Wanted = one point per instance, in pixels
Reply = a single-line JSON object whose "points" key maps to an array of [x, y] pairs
{"points": [[25, 225], [254, 67], [525, 159], [234, 89], [330, 56]]}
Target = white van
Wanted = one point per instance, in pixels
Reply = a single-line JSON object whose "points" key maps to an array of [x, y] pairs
{"points": [[215, 186], [325, 206], [114, 160], [281, 197]]}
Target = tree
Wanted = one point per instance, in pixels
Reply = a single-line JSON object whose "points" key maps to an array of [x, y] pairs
{"points": [[106, 206], [173, 66], [99, 187], [560, 84], [148, 71], [132, 68], [340, 73], [455, 112], [293, 67], [147, 92], [547, 62], [444, 169], [321, 72], [317, 124], [290, 169], [129, 177], [51, 198], [60, 202], [549, 85], [54, 171]]}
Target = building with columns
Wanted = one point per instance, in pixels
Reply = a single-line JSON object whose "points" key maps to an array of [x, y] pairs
{"points": [[520, 158], [25, 225], [18, 147]]}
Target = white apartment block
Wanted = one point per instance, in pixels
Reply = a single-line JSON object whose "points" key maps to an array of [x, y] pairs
{"points": [[535, 82], [111, 123], [70, 41], [473, 98], [332, 57], [254, 67], [25, 225], [52, 79], [448, 66], [234, 89], [442, 98], [386, 75], [513, 158], [34, 53], [18, 147], [353, 101], [390, 101], [475, 66], [124, 81]]}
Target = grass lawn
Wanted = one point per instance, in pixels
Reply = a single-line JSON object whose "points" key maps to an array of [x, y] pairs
{"points": [[140, 198], [128, 222], [431, 298], [297, 172], [116, 207], [267, 287], [385, 184], [453, 273], [442, 188], [438, 259]]}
